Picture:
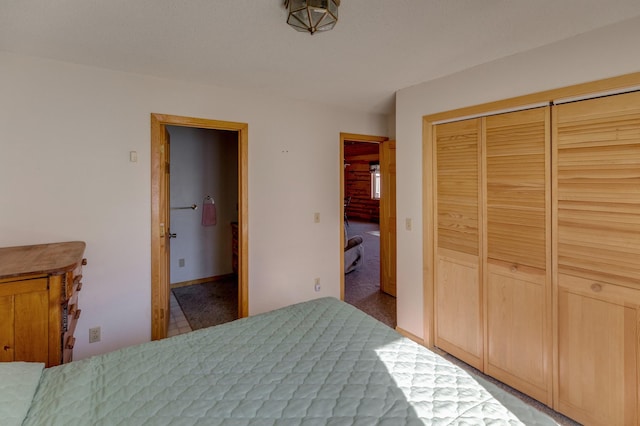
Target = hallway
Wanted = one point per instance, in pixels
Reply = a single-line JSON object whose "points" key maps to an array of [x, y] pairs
{"points": [[362, 287]]}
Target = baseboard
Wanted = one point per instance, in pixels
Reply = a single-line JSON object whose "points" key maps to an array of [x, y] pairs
{"points": [[201, 280], [411, 336]]}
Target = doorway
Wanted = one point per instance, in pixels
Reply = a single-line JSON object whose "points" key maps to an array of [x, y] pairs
{"points": [[160, 213], [367, 188], [203, 199]]}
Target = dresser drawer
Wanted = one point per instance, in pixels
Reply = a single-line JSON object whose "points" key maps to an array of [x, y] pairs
{"points": [[73, 280]]}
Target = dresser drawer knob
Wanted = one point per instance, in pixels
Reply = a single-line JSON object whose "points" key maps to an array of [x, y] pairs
{"points": [[514, 268], [7, 347], [596, 287], [71, 341]]}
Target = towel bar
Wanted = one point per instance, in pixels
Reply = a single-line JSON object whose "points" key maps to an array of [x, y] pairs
{"points": [[192, 207]]}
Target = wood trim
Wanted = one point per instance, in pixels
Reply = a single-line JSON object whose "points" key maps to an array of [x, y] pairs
{"points": [[428, 248], [356, 138], [410, 335], [158, 124], [483, 206], [549, 329], [201, 281], [554, 257], [593, 87]]}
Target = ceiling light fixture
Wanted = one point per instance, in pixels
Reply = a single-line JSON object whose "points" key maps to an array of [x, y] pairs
{"points": [[312, 15]]}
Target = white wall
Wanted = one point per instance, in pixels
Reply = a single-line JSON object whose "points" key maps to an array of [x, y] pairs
{"points": [[204, 162], [607, 52], [65, 135]]}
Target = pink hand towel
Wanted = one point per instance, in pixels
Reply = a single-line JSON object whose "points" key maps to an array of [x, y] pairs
{"points": [[209, 215]]}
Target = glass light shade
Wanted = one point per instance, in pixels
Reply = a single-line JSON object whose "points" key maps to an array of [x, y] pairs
{"points": [[312, 15]]}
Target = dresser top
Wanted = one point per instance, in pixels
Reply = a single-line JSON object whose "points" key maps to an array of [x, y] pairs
{"points": [[54, 258]]}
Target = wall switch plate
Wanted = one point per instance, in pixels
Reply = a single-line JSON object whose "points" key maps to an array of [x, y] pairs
{"points": [[316, 284], [181, 263], [408, 224], [94, 334]]}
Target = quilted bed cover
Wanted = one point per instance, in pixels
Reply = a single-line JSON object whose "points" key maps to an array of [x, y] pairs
{"points": [[315, 363]]}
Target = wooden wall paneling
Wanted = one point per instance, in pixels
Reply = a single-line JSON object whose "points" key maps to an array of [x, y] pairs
{"points": [[518, 345], [358, 187], [357, 180], [458, 286]]}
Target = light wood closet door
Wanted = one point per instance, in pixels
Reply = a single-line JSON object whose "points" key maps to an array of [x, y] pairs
{"points": [[458, 290], [597, 164], [518, 255]]}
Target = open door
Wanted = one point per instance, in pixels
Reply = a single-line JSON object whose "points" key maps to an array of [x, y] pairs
{"points": [[160, 261], [388, 217]]}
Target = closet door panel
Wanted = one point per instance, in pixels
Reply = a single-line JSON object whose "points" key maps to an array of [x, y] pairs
{"points": [[597, 352], [457, 156], [458, 329], [518, 347], [598, 180], [518, 276], [597, 193], [517, 182], [458, 289]]}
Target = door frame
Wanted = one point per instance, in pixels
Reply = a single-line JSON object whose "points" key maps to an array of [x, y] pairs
{"points": [[159, 295], [354, 138]]}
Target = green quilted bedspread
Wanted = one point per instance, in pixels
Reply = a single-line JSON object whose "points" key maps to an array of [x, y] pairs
{"points": [[315, 363]]}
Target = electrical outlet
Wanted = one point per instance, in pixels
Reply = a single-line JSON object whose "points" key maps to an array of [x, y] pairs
{"points": [[94, 334], [408, 224], [181, 263], [316, 284]]}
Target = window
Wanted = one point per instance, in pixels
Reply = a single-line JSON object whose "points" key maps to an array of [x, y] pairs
{"points": [[375, 181]]}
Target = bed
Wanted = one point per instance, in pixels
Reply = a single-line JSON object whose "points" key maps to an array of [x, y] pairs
{"points": [[313, 363]]}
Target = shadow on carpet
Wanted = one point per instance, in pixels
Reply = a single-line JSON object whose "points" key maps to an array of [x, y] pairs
{"points": [[208, 304]]}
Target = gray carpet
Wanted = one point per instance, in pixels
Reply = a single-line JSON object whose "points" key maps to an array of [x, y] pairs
{"points": [[208, 304], [362, 287]]}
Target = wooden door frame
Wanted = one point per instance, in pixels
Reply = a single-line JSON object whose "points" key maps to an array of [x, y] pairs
{"points": [[353, 137], [158, 125]]}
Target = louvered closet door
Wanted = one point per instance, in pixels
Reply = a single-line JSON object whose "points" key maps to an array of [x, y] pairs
{"points": [[597, 150], [518, 278], [458, 288]]}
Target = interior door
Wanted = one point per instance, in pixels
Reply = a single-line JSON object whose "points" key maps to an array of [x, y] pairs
{"points": [[388, 217], [165, 255]]}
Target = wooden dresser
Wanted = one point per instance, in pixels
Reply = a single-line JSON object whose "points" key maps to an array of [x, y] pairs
{"points": [[39, 287]]}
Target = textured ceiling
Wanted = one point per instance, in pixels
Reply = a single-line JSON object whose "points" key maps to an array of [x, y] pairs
{"points": [[377, 47]]}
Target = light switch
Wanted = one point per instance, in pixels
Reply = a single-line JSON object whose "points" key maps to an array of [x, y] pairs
{"points": [[133, 156], [408, 224]]}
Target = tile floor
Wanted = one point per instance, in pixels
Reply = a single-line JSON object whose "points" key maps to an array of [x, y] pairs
{"points": [[177, 322]]}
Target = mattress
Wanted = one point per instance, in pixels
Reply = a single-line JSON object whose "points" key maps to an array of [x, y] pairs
{"points": [[320, 362]]}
